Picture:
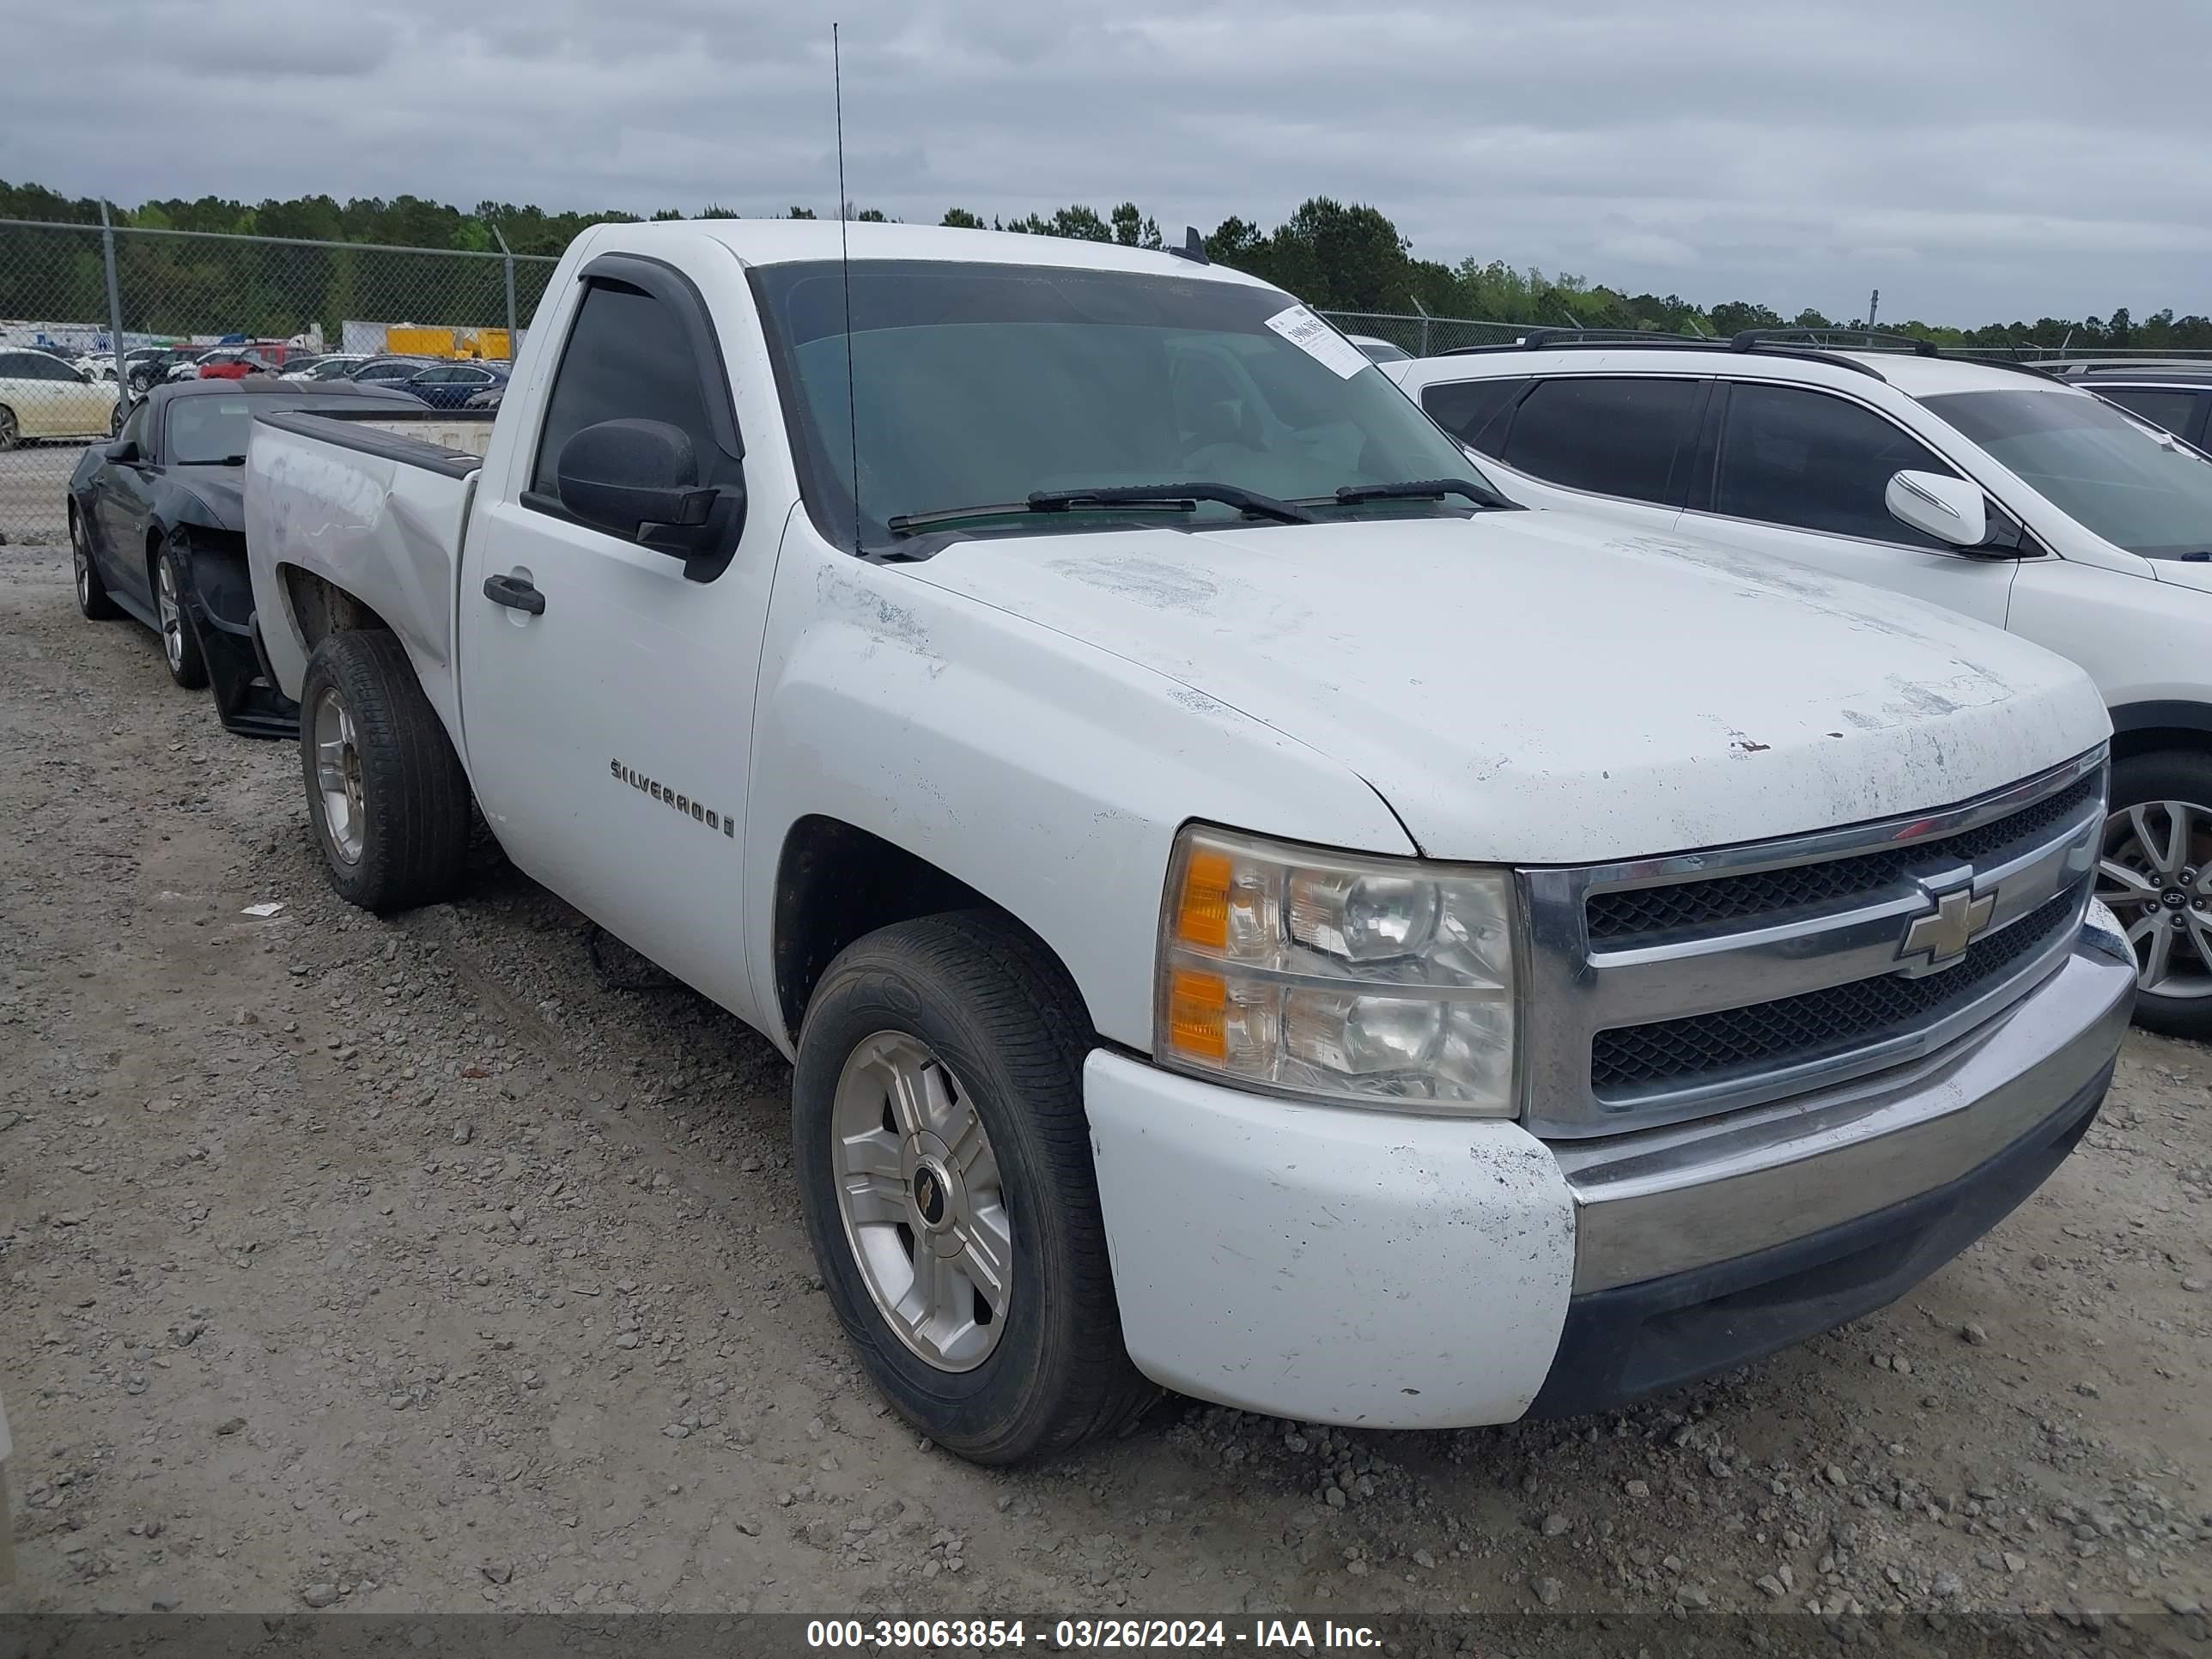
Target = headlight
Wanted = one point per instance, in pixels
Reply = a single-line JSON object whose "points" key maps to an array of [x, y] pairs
{"points": [[1333, 976]]}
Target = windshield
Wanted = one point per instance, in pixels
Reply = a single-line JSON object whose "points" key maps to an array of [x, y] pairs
{"points": [[979, 384], [212, 431], [2150, 494]]}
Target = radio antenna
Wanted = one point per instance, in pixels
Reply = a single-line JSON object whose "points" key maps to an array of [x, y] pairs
{"points": [[845, 263]]}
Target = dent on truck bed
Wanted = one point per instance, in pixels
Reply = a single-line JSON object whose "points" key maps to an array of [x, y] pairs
{"points": [[349, 536]]}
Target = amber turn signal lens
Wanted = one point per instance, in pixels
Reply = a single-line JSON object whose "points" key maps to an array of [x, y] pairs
{"points": [[1202, 913], [1198, 1014]]}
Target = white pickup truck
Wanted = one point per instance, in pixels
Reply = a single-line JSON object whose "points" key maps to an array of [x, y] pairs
{"points": [[1250, 911]]}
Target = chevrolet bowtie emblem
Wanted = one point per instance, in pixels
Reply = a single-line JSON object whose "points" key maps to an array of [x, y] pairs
{"points": [[1944, 933]]}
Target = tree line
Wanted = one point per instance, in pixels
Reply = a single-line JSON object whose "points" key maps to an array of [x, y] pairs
{"points": [[1332, 255]]}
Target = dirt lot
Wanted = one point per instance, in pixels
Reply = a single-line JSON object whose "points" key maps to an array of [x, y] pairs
{"points": [[422, 1264], [33, 485]]}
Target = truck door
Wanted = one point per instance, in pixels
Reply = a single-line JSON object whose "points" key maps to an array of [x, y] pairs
{"points": [[607, 697]]}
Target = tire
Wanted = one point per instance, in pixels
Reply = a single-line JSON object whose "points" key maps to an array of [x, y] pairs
{"points": [[996, 1012], [392, 823], [181, 640], [92, 598], [2174, 991], [11, 429]]}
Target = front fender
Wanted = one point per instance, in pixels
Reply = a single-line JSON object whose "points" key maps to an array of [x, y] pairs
{"points": [[1048, 775]]}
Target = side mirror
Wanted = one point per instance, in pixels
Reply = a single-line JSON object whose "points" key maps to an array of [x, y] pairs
{"points": [[1951, 510], [640, 480], [122, 452]]}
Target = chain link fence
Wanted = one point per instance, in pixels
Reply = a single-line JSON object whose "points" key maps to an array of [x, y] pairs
{"points": [[1425, 337], [76, 298]]}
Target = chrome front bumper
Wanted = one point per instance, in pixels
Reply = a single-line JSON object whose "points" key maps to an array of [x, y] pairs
{"points": [[1669, 1201]]}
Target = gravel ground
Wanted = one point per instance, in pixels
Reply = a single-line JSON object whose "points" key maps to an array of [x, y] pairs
{"points": [[33, 491], [424, 1265]]}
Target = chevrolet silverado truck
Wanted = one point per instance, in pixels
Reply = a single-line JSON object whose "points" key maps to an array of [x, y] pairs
{"points": [[1250, 910]]}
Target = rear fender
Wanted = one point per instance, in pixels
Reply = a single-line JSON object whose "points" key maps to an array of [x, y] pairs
{"points": [[341, 537]]}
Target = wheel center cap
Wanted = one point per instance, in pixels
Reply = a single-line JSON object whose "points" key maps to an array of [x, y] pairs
{"points": [[932, 1197], [2173, 898]]}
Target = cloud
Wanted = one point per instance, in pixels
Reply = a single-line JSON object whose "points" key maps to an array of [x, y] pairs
{"points": [[1972, 160], [1645, 248]]}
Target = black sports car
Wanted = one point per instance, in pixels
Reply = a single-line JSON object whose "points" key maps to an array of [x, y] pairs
{"points": [[157, 529]]}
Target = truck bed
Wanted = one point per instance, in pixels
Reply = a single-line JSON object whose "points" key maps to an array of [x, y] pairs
{"points": [[375, 504]]}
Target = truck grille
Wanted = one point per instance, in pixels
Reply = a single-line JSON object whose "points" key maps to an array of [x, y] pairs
{"points": [[1678, 987], [1800, 1028], [1768, 893]]}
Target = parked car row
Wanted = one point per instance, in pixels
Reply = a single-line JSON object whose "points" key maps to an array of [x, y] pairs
{"points": [[441, 384], [1252, 907], [157, 532], [43, 396]]}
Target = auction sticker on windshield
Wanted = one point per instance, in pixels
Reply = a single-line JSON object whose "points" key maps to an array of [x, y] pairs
{"points": [[1319, 341]]}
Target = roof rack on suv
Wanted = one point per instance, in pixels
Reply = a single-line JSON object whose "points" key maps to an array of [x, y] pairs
{"points": [[1877, 339], [1557, 339], [1751, 338]]}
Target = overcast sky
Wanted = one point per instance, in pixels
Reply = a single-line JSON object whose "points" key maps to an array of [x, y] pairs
{"points": [[1976, 159]]}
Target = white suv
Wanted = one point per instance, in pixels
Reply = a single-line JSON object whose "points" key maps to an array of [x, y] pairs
{"points": [[1994, 490]]}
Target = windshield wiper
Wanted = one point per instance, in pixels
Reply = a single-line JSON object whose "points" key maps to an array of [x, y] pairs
{"points": [[913, 524], [1229, 495], [1415, 489], [1177, 498]]}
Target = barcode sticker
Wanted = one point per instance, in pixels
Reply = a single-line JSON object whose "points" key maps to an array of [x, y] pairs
{"points": [[1319, 341]]}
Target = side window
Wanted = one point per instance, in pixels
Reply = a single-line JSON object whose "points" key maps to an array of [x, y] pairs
{"points": [[628, 358], [1469, 410], [1615, 437], [436, 376], [136, 426], [2170, 410], [1816, 462]]}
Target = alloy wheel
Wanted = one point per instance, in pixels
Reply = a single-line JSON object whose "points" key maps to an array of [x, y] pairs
{"points": [[2155, 872], [172, 617], [920, 1192], [337, 775]]}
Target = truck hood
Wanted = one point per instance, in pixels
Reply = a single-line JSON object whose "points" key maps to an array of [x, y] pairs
{"points": [[1546, 687]]}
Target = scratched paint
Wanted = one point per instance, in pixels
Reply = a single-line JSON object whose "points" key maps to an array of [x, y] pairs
{"points": [[1556, 692], [1358, 1269]]}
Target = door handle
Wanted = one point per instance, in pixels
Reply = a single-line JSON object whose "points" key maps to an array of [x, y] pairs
{"points": [[516, 592]]}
